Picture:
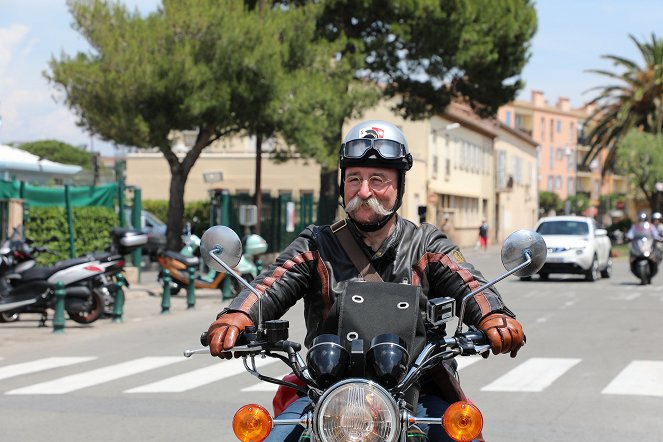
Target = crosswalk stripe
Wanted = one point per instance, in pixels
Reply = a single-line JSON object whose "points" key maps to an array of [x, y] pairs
{"points": [[199, 377], [10, 371], [535, 374], [78, 381], [638, 378], [467, 361]]}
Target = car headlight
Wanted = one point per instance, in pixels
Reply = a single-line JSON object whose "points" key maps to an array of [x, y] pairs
{"points": [[357, 410]]}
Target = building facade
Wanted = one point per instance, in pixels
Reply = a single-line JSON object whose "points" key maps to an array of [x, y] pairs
{"points": [[558, 130]]}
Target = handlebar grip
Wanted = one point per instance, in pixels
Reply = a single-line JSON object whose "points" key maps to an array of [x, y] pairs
{"points": [[203, 339], [477, 337]]}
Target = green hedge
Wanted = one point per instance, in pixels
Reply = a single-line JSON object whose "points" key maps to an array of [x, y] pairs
{"points": [[91, 230]]}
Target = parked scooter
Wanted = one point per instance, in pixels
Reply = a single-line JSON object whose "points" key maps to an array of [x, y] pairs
{"points": [[178, 263], [644, 255], [89, 282], [360, 394]]}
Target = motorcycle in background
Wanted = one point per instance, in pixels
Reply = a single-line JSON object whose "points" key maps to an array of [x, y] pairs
{"points": [[89, 282], [178, 263], [356, 394], [644, 255]]}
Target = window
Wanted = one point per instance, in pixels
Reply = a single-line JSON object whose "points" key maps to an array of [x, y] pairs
{"points": [[559, 126], [501, 169], [551, 183], [519, 122], [559, 154], [551, 160], [517, 170], [543, 128], [552, 125], [569, 186], [558, 182], [507, 118]]}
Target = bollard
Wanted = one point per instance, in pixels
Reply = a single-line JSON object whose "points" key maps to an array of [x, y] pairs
{"points": [[226, 288], [58, 317], [191, 288], [119, 298], [165, 300]]}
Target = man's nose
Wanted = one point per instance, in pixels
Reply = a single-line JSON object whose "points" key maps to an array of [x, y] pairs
{"points": [[365, 190]]}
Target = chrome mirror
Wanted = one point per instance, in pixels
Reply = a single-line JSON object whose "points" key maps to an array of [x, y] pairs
{"points": [[221, 249], [223, 242], [520, 246], [523, 253]]}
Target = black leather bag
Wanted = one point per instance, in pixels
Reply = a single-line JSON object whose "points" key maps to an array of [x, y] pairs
{"points": [[369, 309]]}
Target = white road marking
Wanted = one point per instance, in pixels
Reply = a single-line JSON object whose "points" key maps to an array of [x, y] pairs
{"points": [[78, 381], [535, 374], [467, 361], [638, 378], [632, 296], [10, 371], [199, 377]]}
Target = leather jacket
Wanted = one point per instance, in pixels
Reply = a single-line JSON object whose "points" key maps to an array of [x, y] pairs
{"points": [[316, 268]]}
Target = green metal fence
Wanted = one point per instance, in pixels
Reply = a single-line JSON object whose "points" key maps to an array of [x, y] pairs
{"points": [[274, 216]]}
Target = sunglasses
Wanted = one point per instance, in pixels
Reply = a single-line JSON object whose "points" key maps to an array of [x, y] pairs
{"points": [[387, 149]]}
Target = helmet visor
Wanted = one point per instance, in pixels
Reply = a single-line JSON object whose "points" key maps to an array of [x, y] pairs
{"points": [[387, 149]]}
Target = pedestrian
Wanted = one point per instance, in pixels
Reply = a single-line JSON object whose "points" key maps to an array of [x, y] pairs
{"points": [[321, 263], [483, 235]]}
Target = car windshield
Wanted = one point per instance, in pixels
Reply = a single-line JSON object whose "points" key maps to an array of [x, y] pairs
{"points": [[563, 228]]}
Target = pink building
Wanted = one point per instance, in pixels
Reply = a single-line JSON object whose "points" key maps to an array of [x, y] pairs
{"points": [[555, 128]]}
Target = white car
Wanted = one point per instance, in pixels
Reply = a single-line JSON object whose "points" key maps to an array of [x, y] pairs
{"points": [[576, 244]]}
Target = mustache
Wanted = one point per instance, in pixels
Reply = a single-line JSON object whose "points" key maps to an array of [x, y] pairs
{"points": [[372, 202]]}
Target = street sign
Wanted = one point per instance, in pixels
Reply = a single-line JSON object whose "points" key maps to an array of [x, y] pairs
{"points": [[212, 177]]}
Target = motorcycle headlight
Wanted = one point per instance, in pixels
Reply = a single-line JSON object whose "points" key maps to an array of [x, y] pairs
{"points": [[387, 359], [357, 410], [327, 360]]}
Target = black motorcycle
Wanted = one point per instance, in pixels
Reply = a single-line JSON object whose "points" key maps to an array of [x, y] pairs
{"points": [[644, 255], [88, 281], [363, 391]]}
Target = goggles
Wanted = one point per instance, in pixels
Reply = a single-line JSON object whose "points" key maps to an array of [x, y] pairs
{"points": [[387, 149]]}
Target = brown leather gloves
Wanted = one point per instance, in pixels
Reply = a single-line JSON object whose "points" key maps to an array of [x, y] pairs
{"points": [[504, 334], [223, 332]]}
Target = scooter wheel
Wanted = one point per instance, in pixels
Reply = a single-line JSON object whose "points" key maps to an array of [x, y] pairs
{"points": [[96, 309], [8, 317]]}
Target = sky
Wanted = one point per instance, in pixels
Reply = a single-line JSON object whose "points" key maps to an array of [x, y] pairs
{"points": [[572, 36]]}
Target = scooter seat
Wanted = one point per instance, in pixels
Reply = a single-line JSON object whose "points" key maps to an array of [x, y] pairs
{"points": [[37, 273], [189, 261]]}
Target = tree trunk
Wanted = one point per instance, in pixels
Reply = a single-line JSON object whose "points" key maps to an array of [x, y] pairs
{"points": [[258, 186], [175, 209], [328, 202]]}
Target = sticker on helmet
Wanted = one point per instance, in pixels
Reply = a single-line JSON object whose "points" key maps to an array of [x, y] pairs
{"points": [[371, 132]]}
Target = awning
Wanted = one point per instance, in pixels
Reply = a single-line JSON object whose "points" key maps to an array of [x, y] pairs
{"points": [[22, 165]]}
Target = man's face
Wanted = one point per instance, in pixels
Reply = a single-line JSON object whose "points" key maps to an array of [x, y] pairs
{"points": [[366, 183]]}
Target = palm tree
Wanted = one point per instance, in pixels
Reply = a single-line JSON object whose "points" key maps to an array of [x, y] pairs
{"points": [[636, 101]]}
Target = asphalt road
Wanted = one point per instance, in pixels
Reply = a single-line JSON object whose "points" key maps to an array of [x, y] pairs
{"points": [[592, 369]]}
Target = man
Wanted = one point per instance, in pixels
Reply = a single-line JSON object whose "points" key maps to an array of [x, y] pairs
{"points": [[656, 219], [643, 227], [483, 235], [374, 159]]}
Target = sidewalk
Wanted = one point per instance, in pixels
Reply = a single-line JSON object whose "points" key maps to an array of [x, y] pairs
{"points": [[142, 303]]}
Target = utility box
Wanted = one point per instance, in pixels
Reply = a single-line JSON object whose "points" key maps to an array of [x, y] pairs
{"points": [[248, 215]]}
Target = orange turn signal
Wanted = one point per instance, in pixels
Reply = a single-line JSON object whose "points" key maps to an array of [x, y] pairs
{"points": [[252, 423], [462, 421]]}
